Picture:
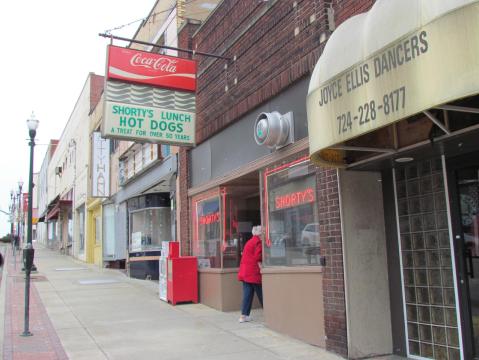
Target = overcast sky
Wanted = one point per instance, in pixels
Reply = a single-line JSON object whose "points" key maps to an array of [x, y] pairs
{"points": [[48, 48]]}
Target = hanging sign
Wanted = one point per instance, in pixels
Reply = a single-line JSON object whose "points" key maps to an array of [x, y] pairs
{"points": [[149, 97], [100, 186], [147, 68], [152, 124]]}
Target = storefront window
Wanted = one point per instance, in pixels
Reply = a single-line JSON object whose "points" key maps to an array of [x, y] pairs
{"points": [[97, 230], [231, 237], [51, 230], [222, 222], [290, 213], [108, 230], [207, 232], [70, 228], [81, 227], [149, 228]]}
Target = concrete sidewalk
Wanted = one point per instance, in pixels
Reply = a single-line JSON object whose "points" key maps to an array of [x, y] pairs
{"points": [[80, 311]]}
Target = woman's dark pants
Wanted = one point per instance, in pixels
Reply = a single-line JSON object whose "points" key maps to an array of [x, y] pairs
{"points": [[248, 292]]}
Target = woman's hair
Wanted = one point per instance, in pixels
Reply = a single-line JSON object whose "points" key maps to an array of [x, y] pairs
{"points": [[257, 230]]}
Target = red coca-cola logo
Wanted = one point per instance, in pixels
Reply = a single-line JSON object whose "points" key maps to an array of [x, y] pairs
{"points": [[162, 63], [159, 70]]}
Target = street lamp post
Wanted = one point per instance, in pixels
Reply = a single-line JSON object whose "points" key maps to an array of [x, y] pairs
{"points": [[12, 225], [28, 251], [12, 218], [19, 211]]}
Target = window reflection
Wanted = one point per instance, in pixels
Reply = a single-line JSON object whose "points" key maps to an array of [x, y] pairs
{"points": [[293, 229], [149, 228], [207, 232]]}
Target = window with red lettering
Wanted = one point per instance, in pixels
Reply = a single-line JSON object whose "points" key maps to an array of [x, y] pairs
{"points": [[290, 211]]}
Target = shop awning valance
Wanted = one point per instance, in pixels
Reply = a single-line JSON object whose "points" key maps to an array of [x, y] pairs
{"points": [[395, 61], [58, 206]]}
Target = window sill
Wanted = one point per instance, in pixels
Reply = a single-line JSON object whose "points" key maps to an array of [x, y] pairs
{"points": [[218, 270], [292, 269]]}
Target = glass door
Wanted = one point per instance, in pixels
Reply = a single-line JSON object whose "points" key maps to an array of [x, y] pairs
{"points": [[467, 238]]}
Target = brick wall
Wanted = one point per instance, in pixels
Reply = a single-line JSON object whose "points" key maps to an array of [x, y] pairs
{"points": [[96, 89], [269, 57], [344, 9], [331, 249], [183, 221], [185, 37], [185, 41]]}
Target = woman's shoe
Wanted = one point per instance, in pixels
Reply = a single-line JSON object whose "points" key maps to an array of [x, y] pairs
{"points": [[245, 318]]}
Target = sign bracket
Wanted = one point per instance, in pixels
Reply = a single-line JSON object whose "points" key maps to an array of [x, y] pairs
{"points": [[193, 52]]}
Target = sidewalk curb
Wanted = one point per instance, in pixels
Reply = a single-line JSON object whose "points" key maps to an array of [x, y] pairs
{"points": [[3, 292]]}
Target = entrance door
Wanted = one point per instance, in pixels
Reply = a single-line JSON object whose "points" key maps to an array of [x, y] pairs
{"points": [[465, 210]]}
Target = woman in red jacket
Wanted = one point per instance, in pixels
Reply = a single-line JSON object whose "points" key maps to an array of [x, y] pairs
{"points": [[249, 273]]}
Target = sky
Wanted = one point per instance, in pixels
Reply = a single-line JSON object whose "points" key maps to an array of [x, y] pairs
{"points": [[48, 48]]}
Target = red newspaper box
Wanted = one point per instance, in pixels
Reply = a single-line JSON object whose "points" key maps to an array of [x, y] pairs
{"points": [[182, 285], [173, 249]]}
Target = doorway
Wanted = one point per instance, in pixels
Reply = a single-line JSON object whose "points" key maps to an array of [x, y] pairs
{"points": [[464, 185]]}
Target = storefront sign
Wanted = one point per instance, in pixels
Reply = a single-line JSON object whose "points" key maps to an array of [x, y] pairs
{"points": [[293, 194], [209, 218], [100, 186], [294, 199], [433, 64], [150, 124], [151, 69]]}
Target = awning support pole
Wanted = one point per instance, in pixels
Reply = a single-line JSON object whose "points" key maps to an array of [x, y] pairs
{"points": [[458, 108], [437, 122], [362, 148], [395, 136], [446, 118]]}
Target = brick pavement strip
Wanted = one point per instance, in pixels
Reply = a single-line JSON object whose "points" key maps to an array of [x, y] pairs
{"points": [[44, 344]]}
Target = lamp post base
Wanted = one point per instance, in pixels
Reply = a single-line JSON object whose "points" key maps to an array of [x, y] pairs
{"points": [[26, 334], [34, 268]]}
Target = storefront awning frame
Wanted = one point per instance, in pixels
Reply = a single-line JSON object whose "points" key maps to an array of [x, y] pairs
{"points": [[444, 127], [398, 153]]}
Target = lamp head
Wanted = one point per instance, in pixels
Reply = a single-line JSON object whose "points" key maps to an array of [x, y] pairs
{"points": [[32, 123]]}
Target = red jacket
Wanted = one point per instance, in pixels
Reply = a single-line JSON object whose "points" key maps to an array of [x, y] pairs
{"points": [[249, 270]]}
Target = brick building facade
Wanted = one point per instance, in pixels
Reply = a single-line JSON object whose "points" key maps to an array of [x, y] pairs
{"points": [[272, 45]]}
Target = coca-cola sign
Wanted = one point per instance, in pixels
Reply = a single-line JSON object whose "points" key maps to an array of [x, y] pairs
{"points": [[152, 69]]}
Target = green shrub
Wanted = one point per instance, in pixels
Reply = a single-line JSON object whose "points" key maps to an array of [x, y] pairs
{"points": [[6, 239]]}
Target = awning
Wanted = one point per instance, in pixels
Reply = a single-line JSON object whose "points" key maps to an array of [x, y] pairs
{"points": [[55, 210], [400, 59]]}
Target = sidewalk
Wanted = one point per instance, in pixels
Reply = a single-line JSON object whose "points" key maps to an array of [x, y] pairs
{"points": [[80, 311], [45, 344]]}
